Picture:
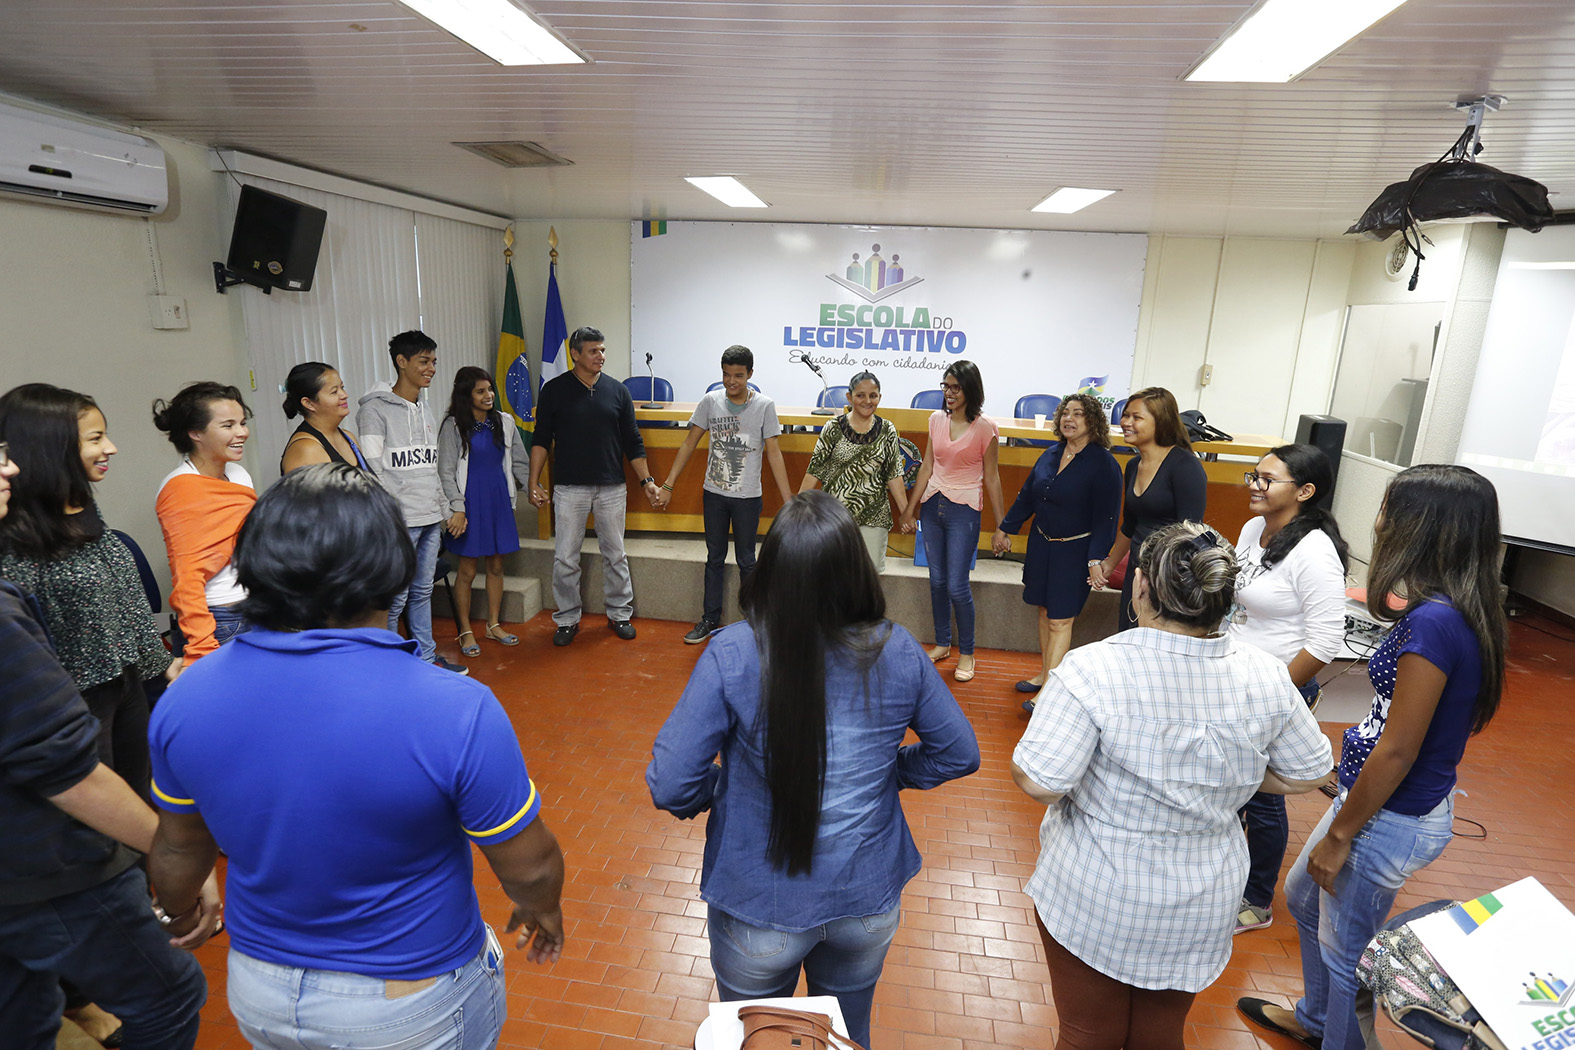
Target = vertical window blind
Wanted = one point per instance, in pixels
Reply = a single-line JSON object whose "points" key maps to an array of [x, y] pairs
{"points": [[381, 270]]}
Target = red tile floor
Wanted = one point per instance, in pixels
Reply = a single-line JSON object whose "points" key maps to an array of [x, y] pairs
{"points": [[967, 970]]}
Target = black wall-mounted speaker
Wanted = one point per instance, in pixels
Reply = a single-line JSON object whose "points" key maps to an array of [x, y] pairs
{"points": [[275, 241], [1328, 433]]}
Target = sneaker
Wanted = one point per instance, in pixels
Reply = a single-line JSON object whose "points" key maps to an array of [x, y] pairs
{"points": [[1252, 917], [622, 628], [456, 668], [565, 633], [702, 630]]}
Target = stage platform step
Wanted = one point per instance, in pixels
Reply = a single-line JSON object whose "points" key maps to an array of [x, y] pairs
{"points": [[521, 596], [669, 583]]}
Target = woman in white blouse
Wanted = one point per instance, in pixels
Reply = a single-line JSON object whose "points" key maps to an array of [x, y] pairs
{"points": [[1144, 746], [1290, 602]]}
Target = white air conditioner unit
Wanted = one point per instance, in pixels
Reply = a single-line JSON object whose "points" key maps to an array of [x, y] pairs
{"points": [[49, 158]]}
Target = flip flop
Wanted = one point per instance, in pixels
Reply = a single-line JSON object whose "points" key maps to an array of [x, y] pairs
{"points": [[473, 649], [502, 639]]}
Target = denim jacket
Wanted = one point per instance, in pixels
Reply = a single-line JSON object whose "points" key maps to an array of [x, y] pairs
{"points": [[864, 853]]}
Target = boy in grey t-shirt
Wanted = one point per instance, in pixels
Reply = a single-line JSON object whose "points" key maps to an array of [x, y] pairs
{"points": [[743, 426]]}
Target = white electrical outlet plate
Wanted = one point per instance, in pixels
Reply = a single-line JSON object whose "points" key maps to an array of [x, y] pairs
{"points": [[168, 312]]}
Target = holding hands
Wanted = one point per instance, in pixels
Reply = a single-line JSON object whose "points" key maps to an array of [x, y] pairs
{"points": [[1097, 574], [538, 496], [1001, 543], [455, 525]]}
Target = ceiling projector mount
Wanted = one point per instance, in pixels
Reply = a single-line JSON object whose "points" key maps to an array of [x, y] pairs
{"points": [[1455, 188]]}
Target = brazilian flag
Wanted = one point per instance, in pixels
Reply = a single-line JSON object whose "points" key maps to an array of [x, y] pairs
{"points": [[513, 371]]}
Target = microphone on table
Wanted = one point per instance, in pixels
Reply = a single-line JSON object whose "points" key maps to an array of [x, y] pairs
{"points": [[813, 367], [653, 403]]}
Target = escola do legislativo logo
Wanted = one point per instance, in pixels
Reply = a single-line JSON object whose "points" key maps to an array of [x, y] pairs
{"points": [[872, 325], [874, 279]]}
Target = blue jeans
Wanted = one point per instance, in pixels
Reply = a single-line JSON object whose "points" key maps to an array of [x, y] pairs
{"points": [[742, 515], [227, 622], [288, 1008], [951, 534], [1335, 928], [106, 942], [1268, 833], [416, 602], [842, 958]]}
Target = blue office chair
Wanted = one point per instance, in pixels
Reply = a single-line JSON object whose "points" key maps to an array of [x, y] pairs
{"points": [[835, 397], [930, 399], [718, 386], [640, 387], [1029, 406], [640, 390]]}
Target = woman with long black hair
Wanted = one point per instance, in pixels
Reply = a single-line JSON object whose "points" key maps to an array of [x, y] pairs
{"points": [[482, 467], [1290, 602], [1438, 677], [807, 702], [55, 544]]}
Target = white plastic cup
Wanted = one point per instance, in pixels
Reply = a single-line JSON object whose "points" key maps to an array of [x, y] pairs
{"points": [[1039, 420]]}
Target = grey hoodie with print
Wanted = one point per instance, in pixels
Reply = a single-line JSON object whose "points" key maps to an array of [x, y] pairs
{"points": [[400, 445]]}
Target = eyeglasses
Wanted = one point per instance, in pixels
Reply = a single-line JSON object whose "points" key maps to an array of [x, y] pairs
{"points": [[951, 386], [1253, 479]]}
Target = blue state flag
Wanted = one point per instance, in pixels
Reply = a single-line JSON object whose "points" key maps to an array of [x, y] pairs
{"points": [[554, 331]]}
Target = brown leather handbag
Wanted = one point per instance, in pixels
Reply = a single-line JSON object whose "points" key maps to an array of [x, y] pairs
{"points": [[778, 1028]]}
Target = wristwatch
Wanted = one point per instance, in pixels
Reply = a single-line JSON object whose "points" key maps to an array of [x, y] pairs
{"points": [[647, 481]]}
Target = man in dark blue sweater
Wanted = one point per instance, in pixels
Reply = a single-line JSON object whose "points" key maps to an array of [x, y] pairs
{"points": [[73, 903], [586, 421]]}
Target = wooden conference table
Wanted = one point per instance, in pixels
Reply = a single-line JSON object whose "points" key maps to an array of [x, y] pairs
{"points": [[1227, 495]]}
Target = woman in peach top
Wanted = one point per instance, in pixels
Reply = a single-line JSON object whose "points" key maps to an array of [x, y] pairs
{"points": [[959, 469]]}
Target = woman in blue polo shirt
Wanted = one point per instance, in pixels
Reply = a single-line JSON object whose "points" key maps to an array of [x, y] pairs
{"points": [[808, 702], [345, 778], [1437, 678]]}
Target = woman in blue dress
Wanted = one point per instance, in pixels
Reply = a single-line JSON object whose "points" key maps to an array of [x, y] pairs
{"points": [[482, 465], [1073, 494]]}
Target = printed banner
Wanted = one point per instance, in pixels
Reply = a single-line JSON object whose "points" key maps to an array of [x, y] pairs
{"points": [[1512, 952], [1040, 312]]}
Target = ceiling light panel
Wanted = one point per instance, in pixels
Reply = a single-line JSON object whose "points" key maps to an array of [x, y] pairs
{"points": [[1283, 39], [507, 34], [1068, 199], [728, 190]]}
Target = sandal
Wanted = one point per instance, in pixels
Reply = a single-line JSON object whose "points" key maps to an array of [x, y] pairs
{"points": [[502, 639], [964, 673], [473, 649]]}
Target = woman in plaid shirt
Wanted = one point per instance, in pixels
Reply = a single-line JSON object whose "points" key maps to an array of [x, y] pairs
{"points": [[1144, 746]]}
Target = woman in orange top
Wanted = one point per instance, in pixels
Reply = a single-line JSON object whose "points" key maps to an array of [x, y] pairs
{"points": [[201, 505]]}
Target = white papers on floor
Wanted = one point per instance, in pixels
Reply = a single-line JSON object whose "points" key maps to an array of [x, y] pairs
{"points": [[1512, 952]]}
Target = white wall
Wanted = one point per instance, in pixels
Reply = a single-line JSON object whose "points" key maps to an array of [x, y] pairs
{"points": [[1265, 314], [593, 280], [73, 310], [1459, 271]]}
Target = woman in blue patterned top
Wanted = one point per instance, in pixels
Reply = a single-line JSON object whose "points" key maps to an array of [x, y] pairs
{"points": [[808, 702], [1437, 680]]}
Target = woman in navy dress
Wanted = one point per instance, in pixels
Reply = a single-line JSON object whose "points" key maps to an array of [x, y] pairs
{"points": [[1164, 483], [1073, 494], [482, 466]]}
